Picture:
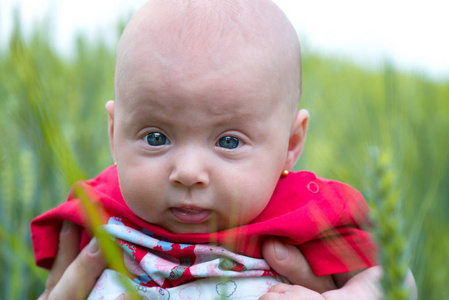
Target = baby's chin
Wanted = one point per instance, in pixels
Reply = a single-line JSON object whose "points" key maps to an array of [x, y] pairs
{"points": [[187, 228]]}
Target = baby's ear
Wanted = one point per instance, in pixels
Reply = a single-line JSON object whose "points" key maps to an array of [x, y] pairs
{"points": [[110, 110], [297, 138]]}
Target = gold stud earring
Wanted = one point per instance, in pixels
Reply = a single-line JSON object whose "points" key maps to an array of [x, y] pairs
{"points": [[115, 163], [285, 173]]}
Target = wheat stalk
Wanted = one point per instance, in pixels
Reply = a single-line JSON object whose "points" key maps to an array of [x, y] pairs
{"points": [[389, 222]]}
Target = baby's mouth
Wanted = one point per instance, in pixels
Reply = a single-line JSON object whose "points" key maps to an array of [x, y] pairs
{"points": [[190, 214]]}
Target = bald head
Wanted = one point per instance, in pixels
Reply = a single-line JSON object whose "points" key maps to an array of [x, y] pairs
{"points": [[197, 35]]}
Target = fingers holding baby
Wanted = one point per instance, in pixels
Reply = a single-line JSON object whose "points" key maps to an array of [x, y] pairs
{"points": [[73, 273], [288, 261]]}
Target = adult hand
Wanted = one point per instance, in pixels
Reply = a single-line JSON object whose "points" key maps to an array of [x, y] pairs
{"points": [[288, 261], [364, 285], [73, 273]]}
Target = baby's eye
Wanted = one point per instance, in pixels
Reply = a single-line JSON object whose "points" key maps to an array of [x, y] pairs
{"points": [[229, 142], [156, 139]]}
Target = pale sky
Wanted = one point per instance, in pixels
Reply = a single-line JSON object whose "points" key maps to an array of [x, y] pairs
{"points": [[413, 34]]}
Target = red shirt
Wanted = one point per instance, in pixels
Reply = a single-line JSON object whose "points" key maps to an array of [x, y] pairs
{"points": [[325, 219]]}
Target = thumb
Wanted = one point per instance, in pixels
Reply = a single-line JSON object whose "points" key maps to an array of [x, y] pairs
{"points": [[289, 262], [80, 277]]}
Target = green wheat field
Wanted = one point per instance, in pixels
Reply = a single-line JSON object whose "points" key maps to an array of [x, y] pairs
{"points": [[383, 131]]}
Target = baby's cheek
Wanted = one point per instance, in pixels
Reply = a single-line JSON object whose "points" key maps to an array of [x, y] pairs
{"points": [[140, 200], [255, 204], [250, 210]]}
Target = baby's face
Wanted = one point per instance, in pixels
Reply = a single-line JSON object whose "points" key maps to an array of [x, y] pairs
{"points": [[199, 151], [201, 129]]}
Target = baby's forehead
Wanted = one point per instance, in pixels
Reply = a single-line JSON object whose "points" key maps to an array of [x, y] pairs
{"points": [[189, 112], [204, 27], [230, 89], [177, 37], [207, 18]]}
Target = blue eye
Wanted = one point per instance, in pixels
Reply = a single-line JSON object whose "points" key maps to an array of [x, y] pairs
{"points": [[229, 142], [156, 139]]}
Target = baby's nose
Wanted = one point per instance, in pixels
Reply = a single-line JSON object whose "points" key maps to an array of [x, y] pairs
{"points": [[189, 169]]}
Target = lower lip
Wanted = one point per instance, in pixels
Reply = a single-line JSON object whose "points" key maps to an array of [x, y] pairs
{"points": [[190, 214]]}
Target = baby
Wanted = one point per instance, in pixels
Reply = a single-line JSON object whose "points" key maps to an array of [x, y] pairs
{"points": [[203, 130]]}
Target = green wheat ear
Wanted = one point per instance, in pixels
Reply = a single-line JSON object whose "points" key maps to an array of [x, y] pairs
{"points": [[389, 222]]}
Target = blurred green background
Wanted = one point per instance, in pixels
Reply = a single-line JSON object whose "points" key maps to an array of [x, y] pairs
{"points": [[53, 131]]}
